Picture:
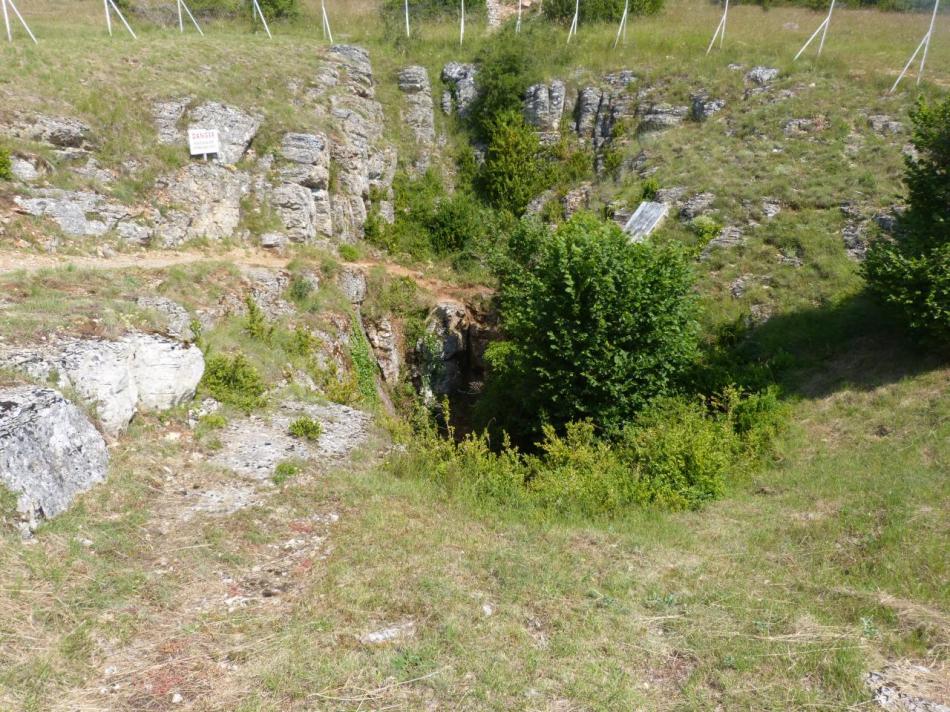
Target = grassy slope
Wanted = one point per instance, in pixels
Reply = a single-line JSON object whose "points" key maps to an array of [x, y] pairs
{"points": [[830, 562]]}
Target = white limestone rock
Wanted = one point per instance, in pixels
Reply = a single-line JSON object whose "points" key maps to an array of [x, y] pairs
{"points": [[117, 378], [49, 451], [236, 128]]}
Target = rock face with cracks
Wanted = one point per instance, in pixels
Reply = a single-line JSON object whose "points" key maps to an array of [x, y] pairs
{"points": [[118, 378], [49, 451]]}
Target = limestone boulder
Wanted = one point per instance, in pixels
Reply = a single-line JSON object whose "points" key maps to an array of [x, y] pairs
{"points": [[417, 114], [543, 108], [117, 377], [761, 75], [49, 452], [203, 200], [382, 337], [308, 157], [459, 78], [236, 128], [59, 131], [77, 213]]}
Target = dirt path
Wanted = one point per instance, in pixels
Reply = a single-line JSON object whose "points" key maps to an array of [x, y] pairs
{"points": [[12, 262]]}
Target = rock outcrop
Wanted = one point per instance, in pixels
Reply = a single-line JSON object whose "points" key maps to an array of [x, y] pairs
{"points": [[118, 378], [414, 83], [543, 108], [761, 75], [236, 128], [253, 447], [659, 117], [202, 200], [59, 131], [461, 91], [49, 451], [77, 213], [382, 337], [702, 107]]}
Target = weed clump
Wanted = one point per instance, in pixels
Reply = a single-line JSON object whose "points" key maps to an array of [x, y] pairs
{"points": [[306, 429], [284, 471], [6, 164], [234, 381]]}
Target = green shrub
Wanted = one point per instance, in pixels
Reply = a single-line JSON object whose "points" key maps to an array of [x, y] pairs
{"points": [[912, 274], [506, 68], [284, 471], [300, 289], [350, 253], [596, 327], [682, 455], [234, 381], [306, 429], [599, 10], [676, 454], [515, 170], [705, 228], [364, 364], [431, 223], [649, 189], [276, 9], [257, 326], [428, 9], [6, 164]]}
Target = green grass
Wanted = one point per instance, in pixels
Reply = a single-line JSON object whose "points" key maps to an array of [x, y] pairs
{"points": [[830, 560]]}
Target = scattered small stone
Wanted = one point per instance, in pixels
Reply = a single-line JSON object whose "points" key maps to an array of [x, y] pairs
{"points": [[729, 236], [177, 699], [883, 124], [771, 208], [761, 75], [487, 609], [697, 205], [386, 635]]}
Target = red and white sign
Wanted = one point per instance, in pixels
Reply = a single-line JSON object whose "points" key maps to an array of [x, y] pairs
{"points": [[202, 142]]}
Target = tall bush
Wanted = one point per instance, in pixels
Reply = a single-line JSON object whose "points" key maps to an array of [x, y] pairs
{"points": [[515, 170], [595, 328], [912, 274]]}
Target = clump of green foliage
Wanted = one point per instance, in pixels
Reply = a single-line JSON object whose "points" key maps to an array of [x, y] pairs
{"points": [[912, 274], [676, 454], [257, 326], [364, 364], [6, 164], [300, 289], [429, 222], [705, 228], [596, 327], [234, 380], [506, 68], [428, 9], [599, 10], [516, 169], [284, 471], [649, 189], [306, 429]]}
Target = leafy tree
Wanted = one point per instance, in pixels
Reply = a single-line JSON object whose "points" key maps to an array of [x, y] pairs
{"points": [[596, 327], [913, 273]]}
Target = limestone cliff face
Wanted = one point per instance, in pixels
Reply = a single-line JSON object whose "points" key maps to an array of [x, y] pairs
{"points": [[318, 184]]}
